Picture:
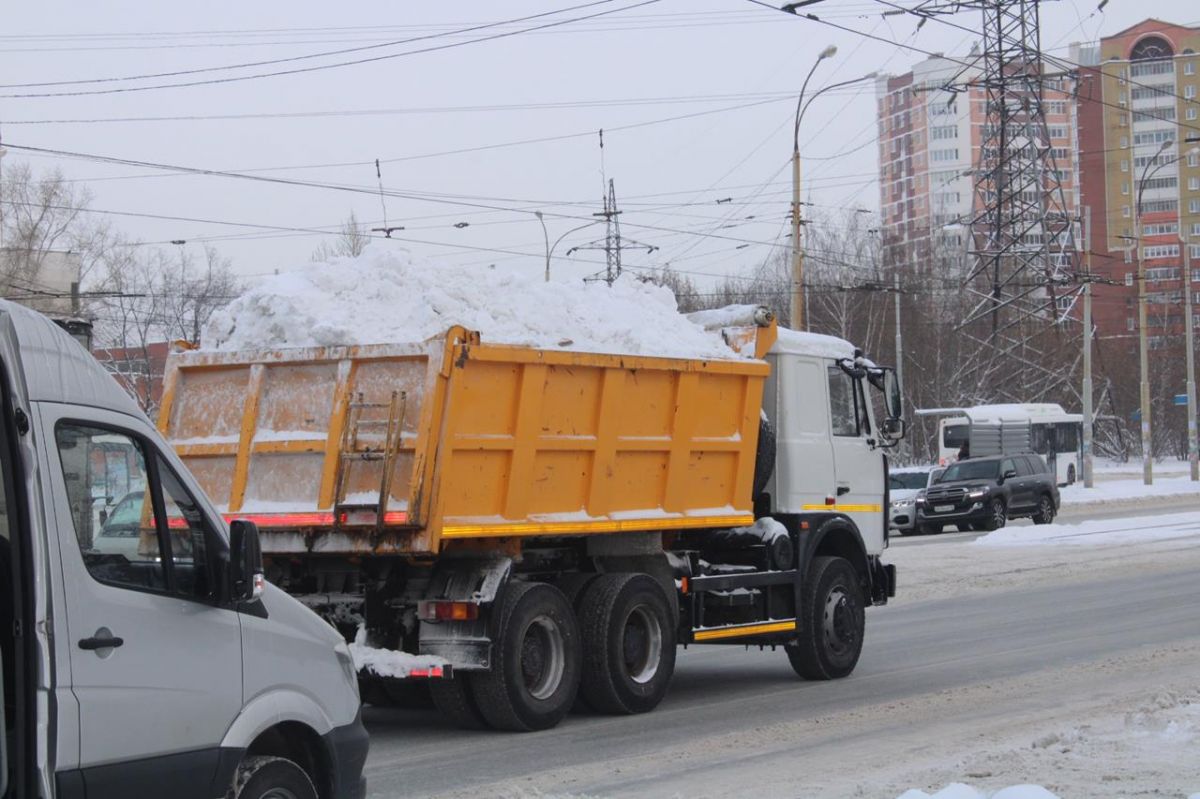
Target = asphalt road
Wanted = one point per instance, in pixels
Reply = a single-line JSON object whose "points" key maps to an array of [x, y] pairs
{"points": [[911, 652]]}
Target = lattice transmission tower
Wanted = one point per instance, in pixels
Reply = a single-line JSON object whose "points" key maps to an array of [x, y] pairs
{"points": [[1023, 230]]}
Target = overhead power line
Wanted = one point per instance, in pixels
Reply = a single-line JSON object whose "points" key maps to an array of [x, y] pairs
{"points": [[319, 67]]}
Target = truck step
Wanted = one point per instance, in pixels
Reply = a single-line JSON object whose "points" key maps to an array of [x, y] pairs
{"points": [[773, 627]]}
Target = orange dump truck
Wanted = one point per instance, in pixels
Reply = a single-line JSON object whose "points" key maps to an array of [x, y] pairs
{"points": [[523, 526]]}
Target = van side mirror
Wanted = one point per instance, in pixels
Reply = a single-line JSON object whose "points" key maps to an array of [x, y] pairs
{"points": [[245, 561]]}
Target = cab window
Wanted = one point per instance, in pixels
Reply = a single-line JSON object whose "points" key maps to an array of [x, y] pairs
{"points": [[152, 537], [845, 407]]}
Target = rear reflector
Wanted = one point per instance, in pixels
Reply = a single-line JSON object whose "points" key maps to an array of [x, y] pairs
{"points": [[319, 518], [433, 671], [446, 610]]}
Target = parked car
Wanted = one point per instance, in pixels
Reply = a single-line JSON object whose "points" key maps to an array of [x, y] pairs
{"points": [[904, 485], [984, 493], [164, 667]]}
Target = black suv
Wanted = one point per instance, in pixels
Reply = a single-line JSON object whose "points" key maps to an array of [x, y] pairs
{"points": [[984, 493]]}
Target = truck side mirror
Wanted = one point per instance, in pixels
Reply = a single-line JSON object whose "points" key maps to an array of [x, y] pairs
{"points": [[245, 561], [894, 427]]}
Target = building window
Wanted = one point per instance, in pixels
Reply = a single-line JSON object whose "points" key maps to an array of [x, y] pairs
{"points": [[1193, 159], [1191, 114], [1124, 187], [939, 132], [1161, 251], [1125, 211], [1124, 165], [1189, 68], [1160, 229], [1124, 140], [1196, 228], [1128, 260], [1189, 91], [1160, 274], [1194, 206], [938, 156], [1193, 184]]}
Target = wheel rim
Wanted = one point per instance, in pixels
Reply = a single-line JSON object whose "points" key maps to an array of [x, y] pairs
{"points": [[838, 622], [998, 513], [543, 657], [1047, 509], [279, 793], [642, 645]]}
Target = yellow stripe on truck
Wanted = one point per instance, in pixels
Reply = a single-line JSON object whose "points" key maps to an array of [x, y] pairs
{"points": [[583, 528], [746, 629], [845, 508]]}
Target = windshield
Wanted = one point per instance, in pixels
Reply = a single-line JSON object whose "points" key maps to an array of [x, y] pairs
{"points": [[971, 470], [902, 480], [127, 513]]}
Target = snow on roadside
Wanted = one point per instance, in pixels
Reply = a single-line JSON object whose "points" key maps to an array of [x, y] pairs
{"points": [[1131, 491], [384, 296], [1097, 532], [386, 662], [957, 790]]}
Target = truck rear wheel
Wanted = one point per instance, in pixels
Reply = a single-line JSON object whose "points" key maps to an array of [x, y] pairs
{"points": [[453, 698], [628, 643], [535, 670], [832, 619]]}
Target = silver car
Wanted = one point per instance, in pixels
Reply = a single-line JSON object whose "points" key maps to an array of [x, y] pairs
{"points": [[904, 485]]}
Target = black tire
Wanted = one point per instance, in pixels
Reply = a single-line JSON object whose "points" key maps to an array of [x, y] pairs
{"points": [[997, 515], [1071, 475], [833, 621], [453, 698], [259, 776], [573, 585], [536, 664], [628, 643], [1045, 510], [764, 457]]}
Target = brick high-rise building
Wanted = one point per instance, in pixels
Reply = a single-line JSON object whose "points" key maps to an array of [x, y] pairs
{"points": [[929, 142], [1137, 108]]}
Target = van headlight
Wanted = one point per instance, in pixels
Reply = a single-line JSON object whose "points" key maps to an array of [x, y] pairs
{"points": [[346, 661]]}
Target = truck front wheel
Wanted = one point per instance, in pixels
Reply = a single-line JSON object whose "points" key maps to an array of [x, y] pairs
{"points": [[535, 668], [628, 643], [832, 619]]}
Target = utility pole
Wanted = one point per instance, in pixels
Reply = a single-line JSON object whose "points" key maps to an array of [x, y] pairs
{"points": [[613, 244], [1193, 459], [899, 343], [1088, 420]]}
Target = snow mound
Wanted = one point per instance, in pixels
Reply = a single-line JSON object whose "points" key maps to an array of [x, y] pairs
{"points": [[384, 296], [387, 662], [1096, 532], [1130, 492], [957, 790]]}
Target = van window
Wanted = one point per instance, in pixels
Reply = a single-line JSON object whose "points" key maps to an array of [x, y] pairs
{"points": [[123, 540], [843, 409]]}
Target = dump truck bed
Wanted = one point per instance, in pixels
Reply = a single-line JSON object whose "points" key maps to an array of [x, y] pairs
{"points": [[403, 448]]}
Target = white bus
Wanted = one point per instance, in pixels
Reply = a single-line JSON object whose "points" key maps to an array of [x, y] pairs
{"points": [[1044, 428]]}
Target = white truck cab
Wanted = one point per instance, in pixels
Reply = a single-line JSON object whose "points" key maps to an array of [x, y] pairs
{"points": [[143, 655]]}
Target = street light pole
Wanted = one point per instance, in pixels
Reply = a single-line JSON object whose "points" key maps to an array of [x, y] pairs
{"points": [[1143, 340], [546, 236], [1193, 458], [796, 315], [1088, 419]]}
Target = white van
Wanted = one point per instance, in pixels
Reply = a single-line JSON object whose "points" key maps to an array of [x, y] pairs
{"points": [[148, 658]]}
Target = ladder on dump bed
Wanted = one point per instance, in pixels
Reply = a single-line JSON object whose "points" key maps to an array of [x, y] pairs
{"points": [[365, 416]]}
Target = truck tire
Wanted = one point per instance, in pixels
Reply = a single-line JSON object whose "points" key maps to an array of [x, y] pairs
{"points": [[832, 619], [269, 778], [997, 515], [628, 643], [764, 457], [573, 585], [1045, 510], [535, 668], [453, 698]]}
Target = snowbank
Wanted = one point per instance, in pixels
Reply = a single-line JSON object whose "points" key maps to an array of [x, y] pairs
{"points": [[383, 296], [1134, 529], [957, 790], [386, 662], [818, 344], [1131, 491]]}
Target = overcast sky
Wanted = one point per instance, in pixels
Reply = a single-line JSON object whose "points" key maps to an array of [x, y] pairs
{"points": [[636, 65]]}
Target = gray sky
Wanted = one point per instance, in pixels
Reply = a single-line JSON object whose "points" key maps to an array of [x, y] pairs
{"points": [[664, 59]]}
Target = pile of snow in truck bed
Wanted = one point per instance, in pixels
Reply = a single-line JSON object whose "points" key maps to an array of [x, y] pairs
{"points": [[383, 296]]}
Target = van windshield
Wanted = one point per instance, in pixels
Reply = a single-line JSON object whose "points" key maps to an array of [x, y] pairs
{"points": [[971, 470]]}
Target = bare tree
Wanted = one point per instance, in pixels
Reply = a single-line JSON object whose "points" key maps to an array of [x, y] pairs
{"points": [[349, 242], [189, 293]]}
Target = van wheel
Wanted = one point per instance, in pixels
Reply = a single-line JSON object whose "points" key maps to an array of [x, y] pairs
{"points": [[628, 643], [1045, 510], [454, 700], [535, 671], [271, 778], [832, 619]]}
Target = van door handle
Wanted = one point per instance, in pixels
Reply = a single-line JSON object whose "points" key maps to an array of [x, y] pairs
{"points": [[843, 490], [106, 642]]}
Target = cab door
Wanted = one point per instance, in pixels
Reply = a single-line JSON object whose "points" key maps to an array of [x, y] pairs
{"points": [[858, 461], [155, 660]]}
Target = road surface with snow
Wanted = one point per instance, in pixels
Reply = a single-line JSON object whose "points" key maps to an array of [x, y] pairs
{"points": [[1071, 666]]}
